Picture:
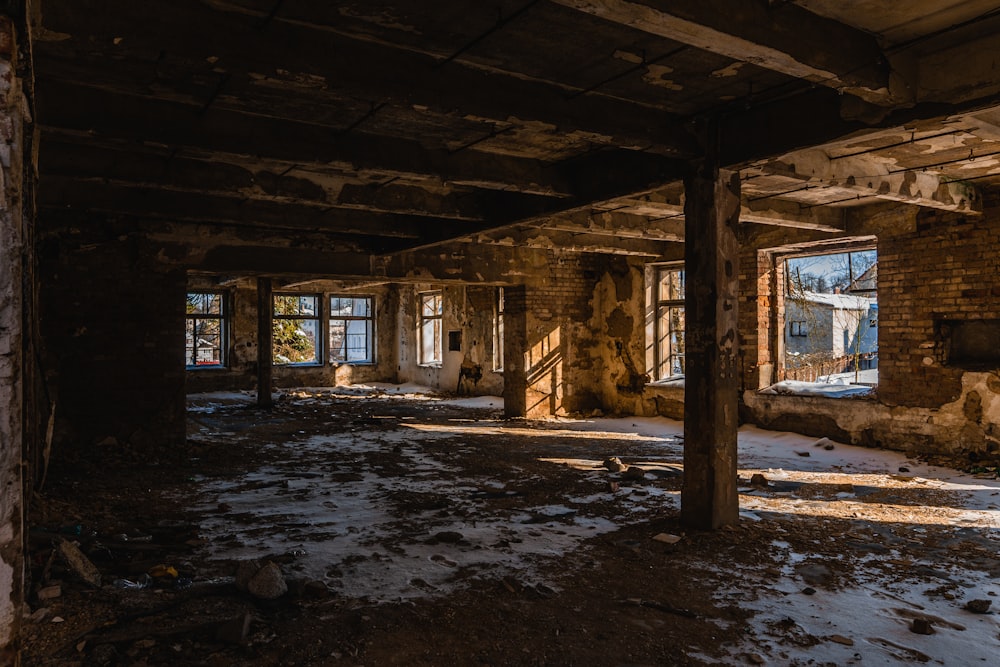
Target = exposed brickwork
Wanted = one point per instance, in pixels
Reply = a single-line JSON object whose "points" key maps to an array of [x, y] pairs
{"points": [[948, 268]]}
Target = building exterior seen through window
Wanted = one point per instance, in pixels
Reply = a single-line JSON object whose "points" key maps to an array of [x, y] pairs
{"points": [[295, 326], [352, 329], [669, 289], [831, 316], [431, 309], [205, 334]]}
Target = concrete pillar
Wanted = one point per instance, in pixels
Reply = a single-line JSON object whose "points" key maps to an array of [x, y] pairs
{"points": [[712, 205], [515, 352], [14, 219], [264, 342]]}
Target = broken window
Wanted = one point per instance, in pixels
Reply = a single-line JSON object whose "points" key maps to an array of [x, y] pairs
{"points": [[352, 327], [831, 309], [498, 332], [204, 340], [429, 327], [295, 326], [669, 289]]}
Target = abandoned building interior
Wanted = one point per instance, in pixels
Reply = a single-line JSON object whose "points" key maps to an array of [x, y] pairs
{"points": [[383, 222]]}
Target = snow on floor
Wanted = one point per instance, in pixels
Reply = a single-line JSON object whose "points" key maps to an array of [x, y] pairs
{"points": [[866, 622]]}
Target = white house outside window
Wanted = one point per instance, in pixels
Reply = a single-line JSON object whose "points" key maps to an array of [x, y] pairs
{"points": [[352, 328], [429, 327], [295, 326], [669, 348], [204, 340]]}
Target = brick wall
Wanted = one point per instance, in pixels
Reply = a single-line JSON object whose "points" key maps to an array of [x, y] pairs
{"points": [[948, 268]]}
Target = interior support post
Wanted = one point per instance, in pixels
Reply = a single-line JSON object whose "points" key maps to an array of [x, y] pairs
{"points": [[712, 205], [264, 343], [515, 352]]}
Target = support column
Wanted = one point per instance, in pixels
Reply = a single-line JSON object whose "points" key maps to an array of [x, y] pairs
{"points": [[712, 204], [515, 352], [264, 343]]}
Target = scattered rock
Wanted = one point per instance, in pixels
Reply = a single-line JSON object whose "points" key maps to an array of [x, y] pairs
{"points": [[921, 626], [808, 591], [667, 538], [756, 659], [268, 583], [52, 592], [803, 454], [825, 443], [634, 473], [903, 469], [814, 574], [828, 447], [262, 581], [449, 537], [245, 571], [39, 614], [841, 639], [614, 464], [58, 619], [235, 630], [758, 481], [613, 487], [79, 563], [978, 606]]}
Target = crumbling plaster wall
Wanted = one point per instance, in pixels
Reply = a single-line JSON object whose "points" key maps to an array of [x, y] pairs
{"points": [[467, 309], [240, 371]]}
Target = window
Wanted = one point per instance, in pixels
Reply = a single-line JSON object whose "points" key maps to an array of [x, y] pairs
{"points": [[204, 340], [429, 327], [498, 332], [669, 349], [831, 308], [295, 327], [352, 327]]}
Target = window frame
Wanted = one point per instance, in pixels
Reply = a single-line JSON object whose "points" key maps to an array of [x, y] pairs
{"points": [[317, 318], [498, 331], [436, 321], [347, 319], [662, 331], [222, 318]]}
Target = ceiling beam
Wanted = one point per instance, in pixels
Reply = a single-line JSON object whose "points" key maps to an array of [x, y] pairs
{"points": [[554, 239], [781, 37], [232, 40], [865, 176]]}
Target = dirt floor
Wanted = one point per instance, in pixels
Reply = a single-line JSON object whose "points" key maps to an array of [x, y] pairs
{"points": [[410, 530]]}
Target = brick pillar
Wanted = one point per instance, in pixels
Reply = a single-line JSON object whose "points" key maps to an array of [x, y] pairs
{"points": [[708, 498]]}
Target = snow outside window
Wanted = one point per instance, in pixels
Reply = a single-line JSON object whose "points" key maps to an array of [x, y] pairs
{"points": [[352, 327]]}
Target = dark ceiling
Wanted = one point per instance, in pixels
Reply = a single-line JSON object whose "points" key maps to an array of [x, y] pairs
{"points": [[391, 124]]}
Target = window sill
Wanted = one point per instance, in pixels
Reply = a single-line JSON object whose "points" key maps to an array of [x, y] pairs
{"points": [[819, 390], [669, 382], [435, 364], [352, 363], [214, 367], [306, 364]]}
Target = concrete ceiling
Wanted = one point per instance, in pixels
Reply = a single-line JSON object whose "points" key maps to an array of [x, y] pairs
{"points": [[389, 125]]}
